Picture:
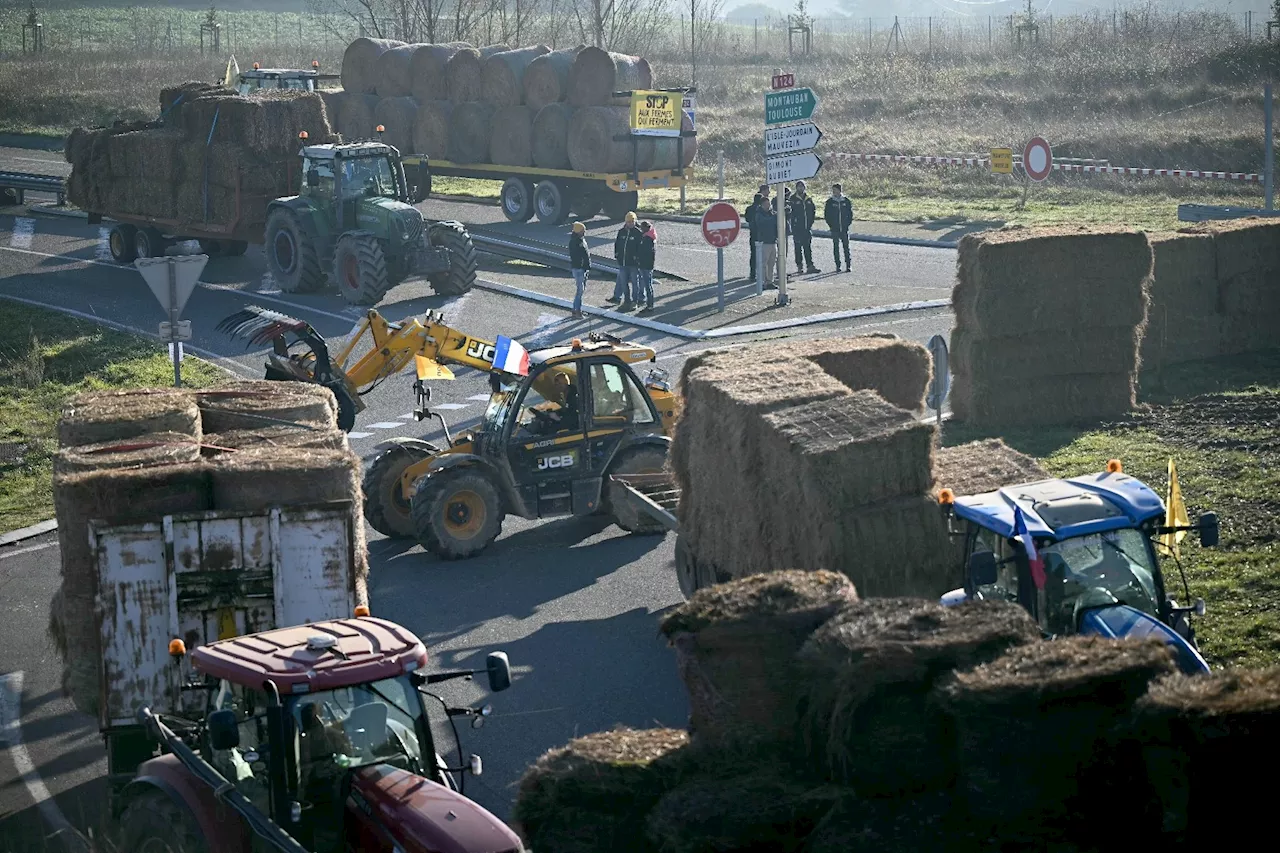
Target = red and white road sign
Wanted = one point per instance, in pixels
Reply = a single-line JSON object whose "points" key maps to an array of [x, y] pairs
{"points": [[721, 224], [784, 81], [1037, 159]]}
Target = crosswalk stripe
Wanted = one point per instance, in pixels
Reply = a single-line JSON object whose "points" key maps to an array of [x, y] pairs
{"points": [[385, 425], [359, 434]]}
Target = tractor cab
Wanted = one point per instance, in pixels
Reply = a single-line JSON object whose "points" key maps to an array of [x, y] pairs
{"points": [[282, 78], [1094, 539]]}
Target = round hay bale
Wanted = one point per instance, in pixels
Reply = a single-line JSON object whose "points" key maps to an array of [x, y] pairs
{"points": [[665, 148], [398, 117], [546, 80], [431, 129], [469, 132], [512, 141], [392, 71], [596, 74], [868, 673], [551, 136], [502, 75], [359, 61], [464, 73], [162, 448], [591, 141], [261, 403], [93, 417], [279, 436], [427, 78], [356, 119]]}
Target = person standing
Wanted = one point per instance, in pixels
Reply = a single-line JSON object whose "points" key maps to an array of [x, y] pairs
{"points": [[764, 231], [748, 217], [647, 256], [838, 213], [625, 247], [579, 265], [800, 218]]}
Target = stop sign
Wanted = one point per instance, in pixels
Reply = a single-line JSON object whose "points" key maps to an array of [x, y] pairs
{"points": [[721, 224]]}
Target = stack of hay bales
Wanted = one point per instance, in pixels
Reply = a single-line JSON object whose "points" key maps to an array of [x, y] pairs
{"points": [[1184, 322], [1247, 260], [134, 456], [1049, 322]]}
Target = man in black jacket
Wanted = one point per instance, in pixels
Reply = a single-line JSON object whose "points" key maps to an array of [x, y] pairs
{"points": [[579, 265], [626, 250], [748, 217], [800, 216], [838, 213]]}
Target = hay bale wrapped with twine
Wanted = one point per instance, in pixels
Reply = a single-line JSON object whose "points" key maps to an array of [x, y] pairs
{"points": [[398, 117], [464, 72], [1040, 729], [893, 825], [502, 75], [1003, 359], [546, 80], [356, 119], [469, 132], [431, 129], [1185, 321], [512, 141], [172, 98], [1202, 736], [983, 466], [427, 78], [1247, 268], [736, 646], [115, 496], [359, 64], [899, 370], [1076, 399], [260, 403], [93, 417], [596, 74], [595, 792], [551, 136], [591, 142], [278, 436], [159, 448], [868, 673], [392, 71]]}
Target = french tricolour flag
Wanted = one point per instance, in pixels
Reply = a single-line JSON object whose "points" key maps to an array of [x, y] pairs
{"points": [[1020, 531], [510, 357]]}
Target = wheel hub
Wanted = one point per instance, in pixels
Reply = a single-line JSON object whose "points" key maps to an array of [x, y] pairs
{"points": [[351, 271], [284, 251], [464, 514]]}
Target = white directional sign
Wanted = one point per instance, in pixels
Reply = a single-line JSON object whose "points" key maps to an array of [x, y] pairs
{"points": [[186, 273], [791, 138], [791, 167]]}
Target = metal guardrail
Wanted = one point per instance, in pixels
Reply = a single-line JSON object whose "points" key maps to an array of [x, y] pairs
{"points": [[23, 182]]}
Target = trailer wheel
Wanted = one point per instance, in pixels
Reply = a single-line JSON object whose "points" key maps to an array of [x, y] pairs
{"points": [[155, 823], [552, 200], [385, 507], [642, 460], [148, 243], [120, 241], [360, 268], [517, 199], [618, 205], [291, 255], [587, 200], [456, 513], [461, 275]]}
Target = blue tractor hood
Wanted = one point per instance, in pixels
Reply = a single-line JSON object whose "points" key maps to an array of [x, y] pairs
{"points": [[1122, 621]]}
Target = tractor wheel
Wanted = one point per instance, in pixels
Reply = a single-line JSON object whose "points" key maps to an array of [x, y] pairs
{"points": [[120, 242], [291, 255], [587, 201], [461, 276], [148, 243], [360, 269], [643, 460], [385, 507], [551, 199], [618, 205], [456, 513], [155, 823], [517, 199], [691, 574]]}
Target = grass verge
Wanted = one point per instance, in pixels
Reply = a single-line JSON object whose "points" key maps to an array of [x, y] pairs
{"points": [[46, 357], [1216, 419]]}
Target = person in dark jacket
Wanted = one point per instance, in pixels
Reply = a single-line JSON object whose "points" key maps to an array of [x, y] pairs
{"points": [[647, 257], [625, 248], [579, 265], [838, 213], [800, 216], [764, 232], [748, 216]]}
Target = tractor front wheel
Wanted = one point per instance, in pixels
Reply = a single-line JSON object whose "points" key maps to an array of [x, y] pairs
{"points": [[291, 255], [642, 460], [456, 513], [385, 507], [461, 275], [155, 823], [360, 268]]}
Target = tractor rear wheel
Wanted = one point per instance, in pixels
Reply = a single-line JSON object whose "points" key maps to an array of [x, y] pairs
{"points": [[360, 269], [456, 513], [385, 506], [291, 255], [120, 242], [155, 823], [461, 276], [642, 460]]}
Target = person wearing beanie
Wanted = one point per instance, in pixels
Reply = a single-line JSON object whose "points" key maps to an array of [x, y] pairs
{"points": [[648, 256], [579, 265], [626, 248]]}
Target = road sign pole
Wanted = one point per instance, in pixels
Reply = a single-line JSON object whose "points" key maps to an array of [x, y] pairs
{"points": [[1269, 151], [173, 323], [782, 247], [720, 251]]}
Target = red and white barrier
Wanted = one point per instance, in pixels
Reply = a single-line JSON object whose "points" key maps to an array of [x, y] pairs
{"points": [[985, 163]]}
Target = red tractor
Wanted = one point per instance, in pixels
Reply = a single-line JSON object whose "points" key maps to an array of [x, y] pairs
{"points": [[316, 738]]}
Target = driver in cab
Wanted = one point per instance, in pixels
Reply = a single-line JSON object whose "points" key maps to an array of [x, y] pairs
{"points": [[564, 417]]}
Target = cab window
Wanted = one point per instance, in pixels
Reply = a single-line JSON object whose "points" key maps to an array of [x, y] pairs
{"points": [[245, 765], [616, 399], [1006, 586]]}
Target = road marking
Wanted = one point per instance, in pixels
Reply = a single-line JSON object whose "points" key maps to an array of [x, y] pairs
{"points": [[359, 434], [23, 230], [11, 735], [450, 407], [384, 425], [6, 554], [268, 284], [103, 248], [479, 397], [452, 310]]}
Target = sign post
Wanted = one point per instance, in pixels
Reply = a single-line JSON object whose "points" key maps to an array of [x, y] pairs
{"points": [[941, 382], [789, 135], [720, 227], [173, 280]]}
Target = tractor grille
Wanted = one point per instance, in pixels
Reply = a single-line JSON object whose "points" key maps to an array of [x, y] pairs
{"points": [[412, 222]]}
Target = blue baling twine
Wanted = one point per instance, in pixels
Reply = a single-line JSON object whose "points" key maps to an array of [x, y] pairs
{"points": [[207, 145], [176, 101]]}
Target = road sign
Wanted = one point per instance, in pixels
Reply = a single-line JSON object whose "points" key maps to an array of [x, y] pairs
{"points": [[791, 138], [784, 81], [941, 382], [186, 272], [181, 332], [721, 225], [790, 106], [690, 106], [791, 167], [1002, 161], [655, 114], [1037, 159]]}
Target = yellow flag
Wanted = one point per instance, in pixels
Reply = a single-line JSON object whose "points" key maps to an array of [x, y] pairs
{"points": [[233, 73], [1175, 513]]}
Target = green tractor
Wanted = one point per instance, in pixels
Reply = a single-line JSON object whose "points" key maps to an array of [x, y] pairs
{"points": [[353, 223]]}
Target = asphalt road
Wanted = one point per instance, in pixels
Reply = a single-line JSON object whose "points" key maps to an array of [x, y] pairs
{"points": [[575, 603]]}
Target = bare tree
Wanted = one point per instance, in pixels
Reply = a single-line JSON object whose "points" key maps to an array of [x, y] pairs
{"points": [[629, 25]]}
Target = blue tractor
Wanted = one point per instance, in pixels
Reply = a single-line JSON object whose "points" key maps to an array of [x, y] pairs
{"points": [[1096, 537]]}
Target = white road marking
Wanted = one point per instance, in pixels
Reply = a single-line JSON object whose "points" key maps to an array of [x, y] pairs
{"points": [[450, 407], [11, 735], [383, 425], [6, 554], [103, 250], [359, 434], [268, 284], [23, 230], [480, 397], [452, 310], [46, 161]]}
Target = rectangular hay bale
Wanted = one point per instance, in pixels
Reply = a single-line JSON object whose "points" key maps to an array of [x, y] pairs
{"points": [[1004, 359], [1077, 399], [899, 370], [893, 548], [983, 466]]}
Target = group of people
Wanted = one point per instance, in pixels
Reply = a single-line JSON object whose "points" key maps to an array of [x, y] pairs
{"points": [[761, 219], [635, 249]]}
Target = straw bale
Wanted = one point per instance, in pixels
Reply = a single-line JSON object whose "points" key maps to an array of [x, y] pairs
{"points": [[898, 369], [92, 417], [286, 114], [1077, 399], [261, 403], [512, 141], [551, 136], [502, 75], [228, 165], [1185, 274], [983, 466], [392, 71], [159, 448], [356, 118], [1001, 360], [591, 142], [1248, 259], [1052, 278], [218, 205], [427, 79], [665, 150], [431, 129], [223, 118], [1063, 702], [868, 672], [398, 117], [893, 825], [1174, 338], [172, 98], [359, 63], [464, 73], [151, 155], [470, 129], [277, 436], [546, 80], [596, 74], [333, 100]]}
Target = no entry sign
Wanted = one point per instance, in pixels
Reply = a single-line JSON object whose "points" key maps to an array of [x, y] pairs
{"points": [[720, 225], [1037, 159]]}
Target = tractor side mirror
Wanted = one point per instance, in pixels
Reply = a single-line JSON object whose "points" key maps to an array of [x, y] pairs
{"points": [[499, 671], [1208, 529], [224, 732], [982, 568], [313, 177]]}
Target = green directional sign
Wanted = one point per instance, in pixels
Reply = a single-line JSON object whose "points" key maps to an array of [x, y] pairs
{"points": [[789, 105]]}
